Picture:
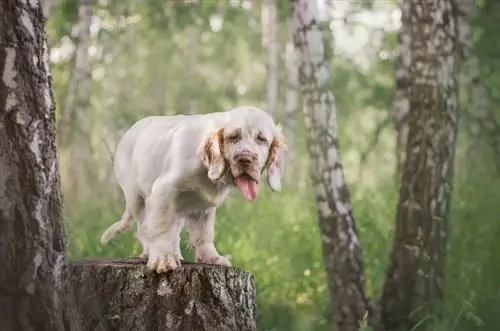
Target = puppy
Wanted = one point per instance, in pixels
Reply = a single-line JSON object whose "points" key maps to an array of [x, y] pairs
{"points": [[174, 171]]}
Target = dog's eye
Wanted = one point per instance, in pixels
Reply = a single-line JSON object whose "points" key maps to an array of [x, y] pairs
{"points": [[235, 137], [261, 139]]}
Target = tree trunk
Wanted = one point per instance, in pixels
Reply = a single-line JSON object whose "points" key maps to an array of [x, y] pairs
{"points": [[341, 247], [414, 285], [402, 101], [291, 117], [76, 118], [479, 111], [124, 295], [34, 277], [79, 87], [192, 70], [47, 8], [269, 33]]}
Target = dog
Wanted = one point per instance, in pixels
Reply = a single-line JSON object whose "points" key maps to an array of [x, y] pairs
{"points": [[174, 171]]}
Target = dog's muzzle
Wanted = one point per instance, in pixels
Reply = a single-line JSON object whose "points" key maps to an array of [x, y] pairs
{"points": [[245, 160]]}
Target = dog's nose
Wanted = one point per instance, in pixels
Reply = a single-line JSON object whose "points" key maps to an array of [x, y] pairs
{"points": [[246, 159]]}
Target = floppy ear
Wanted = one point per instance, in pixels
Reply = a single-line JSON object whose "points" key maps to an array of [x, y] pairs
{"points": [[211, 152], [276, 161]]}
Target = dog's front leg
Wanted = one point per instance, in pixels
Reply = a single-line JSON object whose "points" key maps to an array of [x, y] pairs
{"points": [[140, 218], [201, 227], [179, 223], [159, 231]]}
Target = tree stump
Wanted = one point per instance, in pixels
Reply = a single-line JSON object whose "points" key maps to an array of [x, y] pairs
{"points": [[115, 295]]}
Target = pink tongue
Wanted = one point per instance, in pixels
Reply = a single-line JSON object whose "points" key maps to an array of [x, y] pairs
{"points": [[247, 187]]}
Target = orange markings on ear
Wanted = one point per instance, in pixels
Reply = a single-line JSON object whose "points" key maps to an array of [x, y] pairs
{"points": [[211, 152], [216, 139], [276, 161], [274, 150]]}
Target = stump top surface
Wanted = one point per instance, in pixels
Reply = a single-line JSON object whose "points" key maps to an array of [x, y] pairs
{"points": [[135, 262]]}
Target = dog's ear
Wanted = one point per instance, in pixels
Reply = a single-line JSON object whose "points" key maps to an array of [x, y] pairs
{"points": [[276, 161], [211, 152]]}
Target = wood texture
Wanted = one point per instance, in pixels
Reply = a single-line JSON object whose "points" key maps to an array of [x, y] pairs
{"points": [[342, 252], [414, 286], [124, 295], [34, 277]]}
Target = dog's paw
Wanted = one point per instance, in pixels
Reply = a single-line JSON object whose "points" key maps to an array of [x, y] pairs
{"points": [[162, 263], [217, 259]]}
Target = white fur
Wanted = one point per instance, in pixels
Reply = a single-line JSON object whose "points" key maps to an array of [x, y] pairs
{"points": [[168, 181]]}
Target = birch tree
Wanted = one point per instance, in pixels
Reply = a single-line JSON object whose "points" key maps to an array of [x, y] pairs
{"points": [[479, 111], [79, 87], [34, 278], [192, 69], [402, 102], [341, 248], [414, 285], [47, 8], [269, 32], [75, 125], [291, 108]]}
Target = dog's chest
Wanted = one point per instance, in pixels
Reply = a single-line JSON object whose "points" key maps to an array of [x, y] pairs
{"points": [[203, 197], [214, 196]]}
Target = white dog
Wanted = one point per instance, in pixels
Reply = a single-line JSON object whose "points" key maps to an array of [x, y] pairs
{"points": [[174, 171]]}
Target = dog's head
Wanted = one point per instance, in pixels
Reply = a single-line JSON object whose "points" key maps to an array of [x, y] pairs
{"points": [[245, 146]]}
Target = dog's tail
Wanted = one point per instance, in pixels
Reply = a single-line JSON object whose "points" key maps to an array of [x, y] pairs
{"points": [[124, 224]]}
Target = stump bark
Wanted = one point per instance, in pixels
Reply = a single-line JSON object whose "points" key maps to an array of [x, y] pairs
{"points": [[116, 295]]}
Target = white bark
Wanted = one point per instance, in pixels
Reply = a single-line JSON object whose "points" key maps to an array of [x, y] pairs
{"points": [[76, 119], [402, 101], [79, 85], [47, 8], [269, 36], [34, 277], [341, 247], [292, 108], [193, 55], [414, 286]]}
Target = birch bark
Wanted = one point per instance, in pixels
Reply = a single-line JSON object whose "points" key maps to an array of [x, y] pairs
{"points": [[34, 277], [341, 247], [414, 285]]}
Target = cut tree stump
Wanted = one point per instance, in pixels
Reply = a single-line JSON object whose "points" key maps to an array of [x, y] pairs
{"points": [[116, 295]]}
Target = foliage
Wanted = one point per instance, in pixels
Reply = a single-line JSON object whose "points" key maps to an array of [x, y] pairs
{"points": [[140, 67]]}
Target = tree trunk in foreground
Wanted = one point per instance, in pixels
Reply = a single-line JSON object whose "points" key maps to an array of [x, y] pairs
{"points": [[34, 273], [414, 286], [122, 295], [341, 247]]}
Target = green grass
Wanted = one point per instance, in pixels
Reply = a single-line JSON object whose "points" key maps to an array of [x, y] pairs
{"points": [[277, 239]]}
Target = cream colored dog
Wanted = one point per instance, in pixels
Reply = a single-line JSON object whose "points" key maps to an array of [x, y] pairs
{"points": [[174, 171]]}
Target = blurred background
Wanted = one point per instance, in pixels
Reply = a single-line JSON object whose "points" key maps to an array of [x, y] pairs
{"points": [[116, 61]]}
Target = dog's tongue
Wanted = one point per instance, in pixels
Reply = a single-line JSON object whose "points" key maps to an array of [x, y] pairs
{"points": [[248, 187]]}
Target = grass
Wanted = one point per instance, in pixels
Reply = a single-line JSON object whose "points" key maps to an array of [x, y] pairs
{"points": [[277, 239]]}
